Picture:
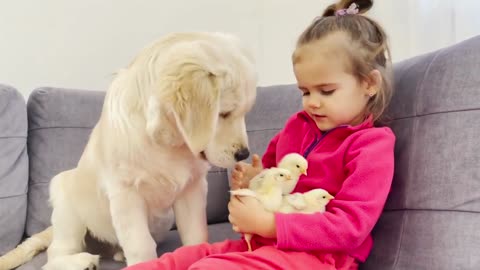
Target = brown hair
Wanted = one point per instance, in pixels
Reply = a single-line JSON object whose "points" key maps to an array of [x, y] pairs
{"points": [[368, 49]]}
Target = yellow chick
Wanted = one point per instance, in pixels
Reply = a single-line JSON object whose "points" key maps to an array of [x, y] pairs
{"points": [[309, 202], [297, 165], [267, 188]]}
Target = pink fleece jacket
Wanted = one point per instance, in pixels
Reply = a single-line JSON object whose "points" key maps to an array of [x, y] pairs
{"points": [[353, 163]]}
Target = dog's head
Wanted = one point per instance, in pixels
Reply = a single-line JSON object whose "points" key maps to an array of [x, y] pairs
{"points": [[202, 86]]}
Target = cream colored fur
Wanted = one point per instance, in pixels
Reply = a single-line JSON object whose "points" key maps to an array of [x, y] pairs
{"points": [[177, 107]]}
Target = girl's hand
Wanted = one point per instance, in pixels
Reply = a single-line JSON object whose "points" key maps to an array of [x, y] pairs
{"points": [[247, 215], [244, 172]]}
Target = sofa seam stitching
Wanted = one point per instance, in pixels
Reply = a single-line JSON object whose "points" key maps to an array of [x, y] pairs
{"points": [[58, 127], [13, 137], [13, 196]]}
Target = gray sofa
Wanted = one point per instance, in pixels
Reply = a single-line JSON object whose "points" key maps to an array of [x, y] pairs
{"points": [[431, 219]]}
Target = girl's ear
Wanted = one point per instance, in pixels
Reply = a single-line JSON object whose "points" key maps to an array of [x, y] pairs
{"points": [[374, 83]]}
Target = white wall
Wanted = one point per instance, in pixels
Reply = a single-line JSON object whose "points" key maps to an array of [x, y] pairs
{"points": [[78, 44]]}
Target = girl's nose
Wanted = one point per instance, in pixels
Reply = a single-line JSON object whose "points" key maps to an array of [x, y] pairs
{"points": [[314, 100]]}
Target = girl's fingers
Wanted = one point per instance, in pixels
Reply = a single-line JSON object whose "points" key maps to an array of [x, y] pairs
{"points": [[239, 167], [256, 161], [237, 175]]}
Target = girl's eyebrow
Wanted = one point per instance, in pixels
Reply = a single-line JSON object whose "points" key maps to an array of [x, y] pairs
{"points": [[322, 85]]}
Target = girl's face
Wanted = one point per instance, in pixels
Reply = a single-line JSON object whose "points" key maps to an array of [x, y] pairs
{"points": [[331, 96]]}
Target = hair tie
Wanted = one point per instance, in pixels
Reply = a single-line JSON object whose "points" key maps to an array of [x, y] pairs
{"points": [[351, 10]]}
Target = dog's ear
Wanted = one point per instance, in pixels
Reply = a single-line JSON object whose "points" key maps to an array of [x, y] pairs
{"points": [[189, 90], [195, 107]]}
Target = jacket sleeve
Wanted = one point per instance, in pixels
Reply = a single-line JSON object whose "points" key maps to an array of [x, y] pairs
{"points": [[350, 217]]}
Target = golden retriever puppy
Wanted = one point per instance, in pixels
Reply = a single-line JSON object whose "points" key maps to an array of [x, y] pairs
{"points": [[177, 108]]}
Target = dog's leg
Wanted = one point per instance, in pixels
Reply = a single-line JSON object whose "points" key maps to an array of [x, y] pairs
{"points": [[68, 232], [190, 212], [65, 252], [130, 221]]}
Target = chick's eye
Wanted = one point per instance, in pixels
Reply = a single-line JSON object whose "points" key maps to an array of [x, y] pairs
{"points": [[298, 166], [281, 175], [324, 197]]}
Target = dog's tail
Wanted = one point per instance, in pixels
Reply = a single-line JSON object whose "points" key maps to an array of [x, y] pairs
{"points": [[26, 250]]}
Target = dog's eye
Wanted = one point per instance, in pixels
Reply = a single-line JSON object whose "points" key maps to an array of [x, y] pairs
{"points": [[225, 114]]}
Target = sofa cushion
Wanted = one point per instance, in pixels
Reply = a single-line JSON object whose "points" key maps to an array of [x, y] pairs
{"points": [[60, 122], [432, 214], [13, 167]]}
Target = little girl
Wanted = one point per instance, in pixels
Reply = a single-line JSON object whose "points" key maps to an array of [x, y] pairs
{"points": [[342, 67]]}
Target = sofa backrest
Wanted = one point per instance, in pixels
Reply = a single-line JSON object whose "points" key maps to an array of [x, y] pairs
{"points": [[432, 217], [59, 124], [13, 167]]}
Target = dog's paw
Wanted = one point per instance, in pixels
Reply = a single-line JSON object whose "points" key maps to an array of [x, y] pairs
{"points": [[85, 261], [91, 266], [79, 261]]}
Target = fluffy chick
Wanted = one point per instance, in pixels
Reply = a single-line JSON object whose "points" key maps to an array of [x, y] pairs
{"points": [[293, 162], [297, 165], [309, 202], [267, 188]]}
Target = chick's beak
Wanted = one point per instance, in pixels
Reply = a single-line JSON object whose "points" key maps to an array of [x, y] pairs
{"points": [[330, 197], [289, 177], [304, 172]]}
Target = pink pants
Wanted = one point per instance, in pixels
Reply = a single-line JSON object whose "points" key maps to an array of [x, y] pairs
{"points": [[233, 255]]}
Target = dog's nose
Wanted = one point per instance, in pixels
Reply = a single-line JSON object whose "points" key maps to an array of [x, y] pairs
{"points": [[242, 154]]}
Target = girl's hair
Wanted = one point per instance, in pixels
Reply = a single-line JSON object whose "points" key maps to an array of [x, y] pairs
{"points": [[367, 49]]}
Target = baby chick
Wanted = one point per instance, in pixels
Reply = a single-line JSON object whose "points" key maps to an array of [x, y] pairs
{"points": [[293, 162], [297, 165], [267, 187], [309, 202]]}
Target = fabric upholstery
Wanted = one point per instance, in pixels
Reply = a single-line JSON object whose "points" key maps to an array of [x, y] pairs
{"points": [[13, 167]]}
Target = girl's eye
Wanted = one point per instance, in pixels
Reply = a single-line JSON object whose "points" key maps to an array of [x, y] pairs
{"points": [[327, 92], [306, 93]]}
